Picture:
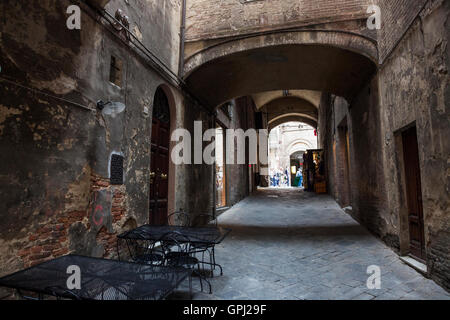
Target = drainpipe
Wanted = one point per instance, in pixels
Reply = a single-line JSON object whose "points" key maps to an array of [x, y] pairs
{"points": [[182, 39]]}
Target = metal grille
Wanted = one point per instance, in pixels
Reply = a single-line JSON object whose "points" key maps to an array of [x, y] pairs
{"points": [[116, 169], [195, 235], [101, 279]]}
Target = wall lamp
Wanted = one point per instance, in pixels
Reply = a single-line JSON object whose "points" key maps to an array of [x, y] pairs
{"points": [[110, 108], [101, 105]]}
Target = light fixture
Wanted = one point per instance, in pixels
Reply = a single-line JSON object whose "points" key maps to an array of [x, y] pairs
{"points": [[110, 108], [101, 105]]}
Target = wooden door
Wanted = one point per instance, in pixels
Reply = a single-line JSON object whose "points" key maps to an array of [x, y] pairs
{"points": [[413, 194], [159, 165]]}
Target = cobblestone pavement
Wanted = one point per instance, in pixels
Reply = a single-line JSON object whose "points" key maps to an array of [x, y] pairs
{"points": [[290, 244]]}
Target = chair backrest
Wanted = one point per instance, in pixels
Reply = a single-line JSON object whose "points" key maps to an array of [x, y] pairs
{"points": [[175, 242], [179, 218], [204, 220], [139, 249]]}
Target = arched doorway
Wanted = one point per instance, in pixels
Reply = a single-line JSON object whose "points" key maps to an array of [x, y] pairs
{"points": [[159, 161], [287, 143]]}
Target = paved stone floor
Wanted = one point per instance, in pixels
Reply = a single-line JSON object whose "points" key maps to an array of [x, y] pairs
{"points": [[290, 244]]}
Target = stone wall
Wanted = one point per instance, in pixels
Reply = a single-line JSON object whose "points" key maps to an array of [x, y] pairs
{"points": [[56, 146], [156, 24], [397, 16], [411, 87], [242, 116], [415, 88], [216, 18]]}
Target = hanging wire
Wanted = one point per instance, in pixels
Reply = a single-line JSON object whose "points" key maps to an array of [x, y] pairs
{"points": [[35, 90]]}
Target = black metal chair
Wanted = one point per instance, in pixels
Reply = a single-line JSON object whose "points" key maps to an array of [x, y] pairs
{"points": [[178, 253], [206, 220], [141, 251]]}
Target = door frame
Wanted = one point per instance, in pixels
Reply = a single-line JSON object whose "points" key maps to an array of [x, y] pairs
{"points": [[403, 211], [224, 128], [171, 195]]}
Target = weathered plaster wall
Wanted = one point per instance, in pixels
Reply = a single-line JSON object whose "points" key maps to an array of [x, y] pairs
{"points": [[238, 175], [367, 175], [241, 116], [366, 165], [199, 188], [55, 154], [332, 137], [411, 87], [198, 176], [156, 24], [415, 87]]}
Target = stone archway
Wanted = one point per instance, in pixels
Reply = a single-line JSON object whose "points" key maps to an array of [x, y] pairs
{"points": [[290, 109], [291, 118], [336, 62], [299, 145]]}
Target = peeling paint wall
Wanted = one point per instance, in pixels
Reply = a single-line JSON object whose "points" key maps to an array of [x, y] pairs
{"points": [[237, 176], [411, 87], [55, 146], [156, 24], [415, 87], [201, 177]]}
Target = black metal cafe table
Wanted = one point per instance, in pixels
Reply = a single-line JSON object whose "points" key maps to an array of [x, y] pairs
{"points": [[196, 235], [101, 279]]}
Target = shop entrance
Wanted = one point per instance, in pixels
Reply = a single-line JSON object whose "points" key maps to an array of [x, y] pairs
{"points": [[413, 194], [297, 169], [159, 165], [221, 195], [314, 171]]}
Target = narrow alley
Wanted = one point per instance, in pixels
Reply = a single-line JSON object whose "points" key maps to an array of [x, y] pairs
{"points": [[290, 244], [134, 135]]}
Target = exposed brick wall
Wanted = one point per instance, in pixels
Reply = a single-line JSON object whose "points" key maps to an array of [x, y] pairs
{"points": [[51, 239], [118, 211], [397, 16], [213, 18]]}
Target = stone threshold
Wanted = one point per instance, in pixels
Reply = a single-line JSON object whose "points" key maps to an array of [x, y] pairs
{"points": [[415, 264]]}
